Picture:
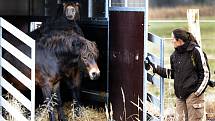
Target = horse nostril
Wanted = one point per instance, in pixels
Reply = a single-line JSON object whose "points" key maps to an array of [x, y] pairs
{"points": [[94, 74]]}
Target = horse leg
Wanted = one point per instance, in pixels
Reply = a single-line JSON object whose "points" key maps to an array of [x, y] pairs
{"points": [[74, 90], [76, 96], [61, 116], [46, 90]]}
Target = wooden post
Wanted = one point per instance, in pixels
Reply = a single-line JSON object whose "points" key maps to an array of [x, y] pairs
{"points": [[193, 24]]}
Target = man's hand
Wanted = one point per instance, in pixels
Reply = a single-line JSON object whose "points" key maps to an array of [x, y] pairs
{"points": [[211, 83], [149, 64]]}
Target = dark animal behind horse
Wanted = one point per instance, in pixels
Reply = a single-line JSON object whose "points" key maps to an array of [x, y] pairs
{"points": [[65, 19]]}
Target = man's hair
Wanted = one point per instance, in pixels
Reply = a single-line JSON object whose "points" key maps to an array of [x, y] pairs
{"points": [[184, 35]]}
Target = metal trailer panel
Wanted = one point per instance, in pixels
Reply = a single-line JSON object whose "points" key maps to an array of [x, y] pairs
{"points": [[126, 60], [97, 31], [18, 7], [28, 7]]}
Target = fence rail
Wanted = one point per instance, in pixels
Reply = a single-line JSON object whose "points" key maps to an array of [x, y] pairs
{"points": [[28, 82], [158, 102]]}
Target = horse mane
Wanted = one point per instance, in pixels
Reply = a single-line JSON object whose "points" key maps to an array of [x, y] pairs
{"points": [[69, 42], [89, 50]]}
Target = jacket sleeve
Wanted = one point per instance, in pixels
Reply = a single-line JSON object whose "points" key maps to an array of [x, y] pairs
{"points": [[202, 70], [164, 72]]}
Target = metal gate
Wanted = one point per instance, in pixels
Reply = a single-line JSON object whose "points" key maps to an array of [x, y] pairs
{"points": [[126, 43], [28, 82], [126, 16], [157, 102]]}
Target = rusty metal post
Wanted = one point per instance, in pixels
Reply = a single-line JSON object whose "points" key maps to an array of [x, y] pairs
{"points": [[126, 60]]}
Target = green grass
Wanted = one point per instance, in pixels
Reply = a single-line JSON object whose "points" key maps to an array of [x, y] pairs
{"points": [[164, 29]]}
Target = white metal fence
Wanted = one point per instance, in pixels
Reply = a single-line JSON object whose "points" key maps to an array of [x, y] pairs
{"points": [[28, 82], [158, 102]]}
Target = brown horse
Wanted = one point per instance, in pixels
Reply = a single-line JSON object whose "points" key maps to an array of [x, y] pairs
{"points": [[74, 53], [60, 55]]}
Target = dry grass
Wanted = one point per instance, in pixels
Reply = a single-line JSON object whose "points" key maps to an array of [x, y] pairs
{"points": [[43, 110], [103, 114], [17, 105], [94, 114], [210, 106], [133, 117], [86, 113], [179, 12]]}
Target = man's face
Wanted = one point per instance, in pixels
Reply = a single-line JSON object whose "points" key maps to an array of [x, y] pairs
{"points": [[175, 42]]}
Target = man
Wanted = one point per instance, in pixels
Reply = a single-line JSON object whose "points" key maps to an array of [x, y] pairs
{"points": [[189, 69]]}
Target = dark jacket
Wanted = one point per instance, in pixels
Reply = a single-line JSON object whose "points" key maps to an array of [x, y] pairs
{"points": [[188, 69]]}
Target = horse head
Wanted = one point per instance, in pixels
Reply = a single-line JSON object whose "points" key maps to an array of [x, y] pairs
{"points": [[71, 10], [89, 55]]}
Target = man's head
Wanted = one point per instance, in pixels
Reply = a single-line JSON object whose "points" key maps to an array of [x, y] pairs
{"points": [[181, 36], [176, 41]]}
